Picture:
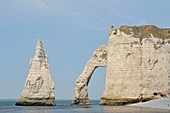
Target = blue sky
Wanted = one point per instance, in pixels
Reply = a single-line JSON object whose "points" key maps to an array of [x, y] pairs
{"points": [[71, 30]]}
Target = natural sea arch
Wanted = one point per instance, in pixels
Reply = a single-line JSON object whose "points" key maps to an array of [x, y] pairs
{"points": [[99, 59], [96, 86]]}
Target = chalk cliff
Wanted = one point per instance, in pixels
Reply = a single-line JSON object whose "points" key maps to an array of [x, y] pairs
{"points": [[39, 86], [137, 66]]}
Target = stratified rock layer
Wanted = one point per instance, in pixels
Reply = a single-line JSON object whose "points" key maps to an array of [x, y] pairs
{"points": [[39, 86], [137, 65]]}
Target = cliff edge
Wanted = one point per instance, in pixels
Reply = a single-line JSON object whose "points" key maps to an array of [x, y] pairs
{"points": [[137, 65]]}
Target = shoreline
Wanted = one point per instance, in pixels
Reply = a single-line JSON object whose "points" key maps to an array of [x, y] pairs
{"points": [[162, 103]]}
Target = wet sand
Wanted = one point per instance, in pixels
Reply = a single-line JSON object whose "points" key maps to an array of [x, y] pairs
{"points": [[163, 103]]}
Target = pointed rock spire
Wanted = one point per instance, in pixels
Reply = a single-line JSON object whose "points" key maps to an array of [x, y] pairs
{"points": [[39, 50], [39, 86]]}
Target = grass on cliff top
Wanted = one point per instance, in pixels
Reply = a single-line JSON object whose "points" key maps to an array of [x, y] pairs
{"points": [[146, 31]]}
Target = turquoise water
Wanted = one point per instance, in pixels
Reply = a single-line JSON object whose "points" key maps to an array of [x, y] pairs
{"points": [[63, 106]]}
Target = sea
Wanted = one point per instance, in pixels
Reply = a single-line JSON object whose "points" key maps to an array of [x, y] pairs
{"points": [[64, 106]]}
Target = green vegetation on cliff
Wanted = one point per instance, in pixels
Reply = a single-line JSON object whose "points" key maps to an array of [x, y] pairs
{"points": [[146, 31]]}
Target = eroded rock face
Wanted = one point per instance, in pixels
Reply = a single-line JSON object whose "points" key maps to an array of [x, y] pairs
{"points": [[39, 86], [97, 60], [137, 65]]}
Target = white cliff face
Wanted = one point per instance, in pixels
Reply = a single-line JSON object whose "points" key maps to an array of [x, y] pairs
{"points": [[98, 59], [137, 69], [137, 65], [39, 86]]}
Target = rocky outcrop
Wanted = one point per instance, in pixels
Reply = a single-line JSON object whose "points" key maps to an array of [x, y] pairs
{"points": [[39, 86], [137, 65], [97, 60]]}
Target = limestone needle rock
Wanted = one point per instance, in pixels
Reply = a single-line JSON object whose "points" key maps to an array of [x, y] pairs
{"points": [[39, 86], [137, 66]]}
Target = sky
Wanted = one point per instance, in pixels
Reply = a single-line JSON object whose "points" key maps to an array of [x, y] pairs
{"points": [[70, 30]]}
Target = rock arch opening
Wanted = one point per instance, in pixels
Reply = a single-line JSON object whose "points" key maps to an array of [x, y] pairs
{"points": [[96, 85], [98, 59]]}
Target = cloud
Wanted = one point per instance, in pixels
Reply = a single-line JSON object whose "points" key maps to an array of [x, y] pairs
{"points": [[87, 14], [142, 22], [37, 3], [123, 15]]}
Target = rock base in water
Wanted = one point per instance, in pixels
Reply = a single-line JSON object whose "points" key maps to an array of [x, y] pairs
{"points": [[80, 102], [36, 102], [123, 101]]}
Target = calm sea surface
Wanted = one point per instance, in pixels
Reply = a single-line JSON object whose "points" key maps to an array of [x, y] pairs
{"points": [[63, 106]]}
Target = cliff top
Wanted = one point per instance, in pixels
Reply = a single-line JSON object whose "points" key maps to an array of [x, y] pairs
{"points": [[145, 31]]}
